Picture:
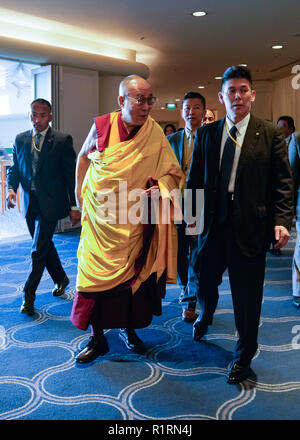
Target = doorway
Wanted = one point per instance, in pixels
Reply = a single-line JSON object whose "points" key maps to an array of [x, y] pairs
{"points": [[20, 84]]}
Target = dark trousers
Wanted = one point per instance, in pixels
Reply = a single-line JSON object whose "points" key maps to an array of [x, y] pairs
{"points": [[246, 276], [187, 278], [43, 252]]}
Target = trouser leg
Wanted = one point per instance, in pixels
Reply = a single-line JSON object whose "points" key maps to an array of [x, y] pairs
{"points": [[43, 252], [246, 275], [210, 266], [296, 264]]}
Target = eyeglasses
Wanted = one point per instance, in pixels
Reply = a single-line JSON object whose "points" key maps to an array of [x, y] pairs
{"points": [[141, 100]]}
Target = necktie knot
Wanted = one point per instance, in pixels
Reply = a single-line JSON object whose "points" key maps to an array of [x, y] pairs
{"points": [[37, 139], [233, 131]]}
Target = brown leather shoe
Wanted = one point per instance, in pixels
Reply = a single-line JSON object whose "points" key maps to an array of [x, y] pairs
{"points": [[189, 315], [92, 350]]}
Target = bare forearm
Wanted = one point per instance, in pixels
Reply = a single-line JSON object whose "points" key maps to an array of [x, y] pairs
{"points": [[82, 165]]}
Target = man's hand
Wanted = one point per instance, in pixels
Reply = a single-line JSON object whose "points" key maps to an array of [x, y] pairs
{"points": [[11, 199], [153, 192], [191, 230], [75, 216], [281, 236]]}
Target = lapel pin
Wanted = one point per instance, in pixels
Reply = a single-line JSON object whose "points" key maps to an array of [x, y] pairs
{"points": [[257, 133]]}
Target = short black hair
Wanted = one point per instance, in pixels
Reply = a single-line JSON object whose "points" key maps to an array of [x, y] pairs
{"points": [[194, 95], [236, 72], [289, 120], [42, 101], [170, 125]]}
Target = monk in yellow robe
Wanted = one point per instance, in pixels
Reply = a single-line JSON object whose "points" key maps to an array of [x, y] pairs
{"points": [[126, 181]]}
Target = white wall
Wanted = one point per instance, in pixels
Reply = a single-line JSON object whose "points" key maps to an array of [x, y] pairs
{"points": [[108, 93], [286, 100], [78, 102]]}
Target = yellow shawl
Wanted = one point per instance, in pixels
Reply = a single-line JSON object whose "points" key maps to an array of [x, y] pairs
{"points": [[108, 249]]}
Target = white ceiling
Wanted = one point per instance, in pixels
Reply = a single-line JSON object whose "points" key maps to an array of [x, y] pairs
{"points": [[182, 51]]}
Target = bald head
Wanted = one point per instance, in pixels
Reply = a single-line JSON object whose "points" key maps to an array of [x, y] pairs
{"points": [[132, 82], [135, 100]]}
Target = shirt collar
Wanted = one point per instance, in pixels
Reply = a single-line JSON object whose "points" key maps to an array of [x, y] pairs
{"points": [[43, 133], [240, 126], [189, 132], [287, 139]]}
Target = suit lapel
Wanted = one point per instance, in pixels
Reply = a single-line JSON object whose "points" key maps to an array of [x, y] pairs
{"points": [[215, 146], [252, 135], [181, 147], [27, 150], [47, 144]]}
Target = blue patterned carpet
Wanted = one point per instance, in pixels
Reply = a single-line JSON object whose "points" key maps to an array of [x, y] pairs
{"points": [[177, 379]]}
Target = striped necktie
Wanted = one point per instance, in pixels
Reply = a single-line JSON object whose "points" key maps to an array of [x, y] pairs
{"points": [[35, 157]]}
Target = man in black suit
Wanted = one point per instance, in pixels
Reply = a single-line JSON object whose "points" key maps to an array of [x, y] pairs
{"points": [[241, 162], [182, 142], [44, 165], [294, 157]]}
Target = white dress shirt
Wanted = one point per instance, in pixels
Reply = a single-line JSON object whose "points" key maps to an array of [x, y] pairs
{"points": [[240, 135]]}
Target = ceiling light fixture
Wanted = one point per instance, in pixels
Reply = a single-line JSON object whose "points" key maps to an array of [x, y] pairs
{"points": [[277, 46], [199, 13], [243, 65], [201, 87], [218, 77]]}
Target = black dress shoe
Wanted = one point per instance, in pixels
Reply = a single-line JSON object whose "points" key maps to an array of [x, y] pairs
{"points": [[199, 330], [27, 307], [237, 373], [131, 340], [59, 288], [92, 350], [296, 302]]}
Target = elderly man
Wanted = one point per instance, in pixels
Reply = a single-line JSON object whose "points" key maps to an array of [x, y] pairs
{"points": [[192, 112], [242, 164], [123, 265]]}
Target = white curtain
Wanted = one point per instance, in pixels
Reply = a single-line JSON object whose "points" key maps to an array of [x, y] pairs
{"points": [[286, 100]]}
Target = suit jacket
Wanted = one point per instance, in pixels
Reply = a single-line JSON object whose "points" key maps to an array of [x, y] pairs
{"points": [[55, 175], [263, 185], [177, 143], [294, 157]]}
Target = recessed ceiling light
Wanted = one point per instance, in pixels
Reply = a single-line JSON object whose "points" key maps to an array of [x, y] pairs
{"points": [[162, 108], [218, 77], [243, 65], [201, 87], [177, 99], [199, 13], [277, 46]]}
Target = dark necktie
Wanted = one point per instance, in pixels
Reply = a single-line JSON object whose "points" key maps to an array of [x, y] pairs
{"points": [[225, 172], [35, 156]]}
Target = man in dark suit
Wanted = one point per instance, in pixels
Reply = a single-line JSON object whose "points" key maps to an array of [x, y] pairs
{"points": [[241, 162], [44, 165], [287, 125], [294, 157], [192, 112]]}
